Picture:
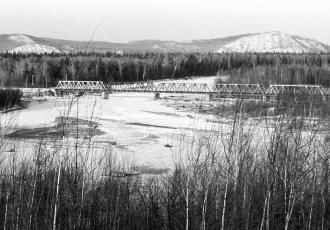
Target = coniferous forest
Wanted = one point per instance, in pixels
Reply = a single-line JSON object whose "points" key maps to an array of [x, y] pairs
{"points": [[33, 70]]}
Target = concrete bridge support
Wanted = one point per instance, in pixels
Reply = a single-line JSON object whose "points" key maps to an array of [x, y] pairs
{"points": [[157, 96], [211, 96], [265, 99], [105, 95]]}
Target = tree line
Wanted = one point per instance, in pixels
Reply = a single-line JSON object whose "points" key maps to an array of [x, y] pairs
{"points": [[35, 70]]}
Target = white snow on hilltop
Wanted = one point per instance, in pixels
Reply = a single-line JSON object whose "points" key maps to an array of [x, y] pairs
{"points": [[25, 44], [273, 42], [21, 39], [35, 48]]}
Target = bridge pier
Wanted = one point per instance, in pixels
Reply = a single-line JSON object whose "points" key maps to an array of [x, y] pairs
{"points": [[265, 99], [211, 96], [157, 96], [105, 95]]}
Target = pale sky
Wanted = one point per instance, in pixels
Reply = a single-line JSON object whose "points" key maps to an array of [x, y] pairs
{"points": [[181, 20]]}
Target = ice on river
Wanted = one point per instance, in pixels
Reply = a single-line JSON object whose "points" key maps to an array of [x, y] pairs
{"points": [[140, 126]]}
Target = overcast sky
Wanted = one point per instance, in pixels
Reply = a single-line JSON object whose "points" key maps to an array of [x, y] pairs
{"points": [[127, 20]]}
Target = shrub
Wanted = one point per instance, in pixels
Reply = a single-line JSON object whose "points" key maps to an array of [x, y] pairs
{"points": [[10, 97]]}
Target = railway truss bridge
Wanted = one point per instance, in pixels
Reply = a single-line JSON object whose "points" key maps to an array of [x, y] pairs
{"points": [[244, 91]]}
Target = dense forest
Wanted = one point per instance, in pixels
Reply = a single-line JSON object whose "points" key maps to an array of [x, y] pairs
{"points": [[33, 70]]}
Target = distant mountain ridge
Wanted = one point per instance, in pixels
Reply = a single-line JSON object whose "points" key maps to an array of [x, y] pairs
{"points": [[269, 42]]}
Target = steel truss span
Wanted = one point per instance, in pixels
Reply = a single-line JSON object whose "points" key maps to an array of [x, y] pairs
{"points": [[80, 85], [161, 87], [221, 90], [296, 90]]}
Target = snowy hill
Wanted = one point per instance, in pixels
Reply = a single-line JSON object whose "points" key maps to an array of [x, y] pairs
{"points": [[21, 43], [27, 44], [274, 42], [34, 48]]}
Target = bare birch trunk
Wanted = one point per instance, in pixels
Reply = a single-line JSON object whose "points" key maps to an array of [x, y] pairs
{"points": [[187, 204], [203, 227], [6, 212], [19, 204], [264, 214], [224, 206], [57, 192], [312, 204]]}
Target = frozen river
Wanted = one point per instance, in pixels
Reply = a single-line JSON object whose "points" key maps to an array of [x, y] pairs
{"points": [[138, 127]]}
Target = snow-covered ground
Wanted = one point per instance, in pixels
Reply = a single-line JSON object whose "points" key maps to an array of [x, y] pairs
{"points": [[34, 48], [139, 125]]}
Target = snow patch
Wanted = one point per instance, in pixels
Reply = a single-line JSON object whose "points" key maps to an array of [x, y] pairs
{"points": [[67, 48], [27, 45], [21, 39], [119, 53], [156, 47], [35, 48]]}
